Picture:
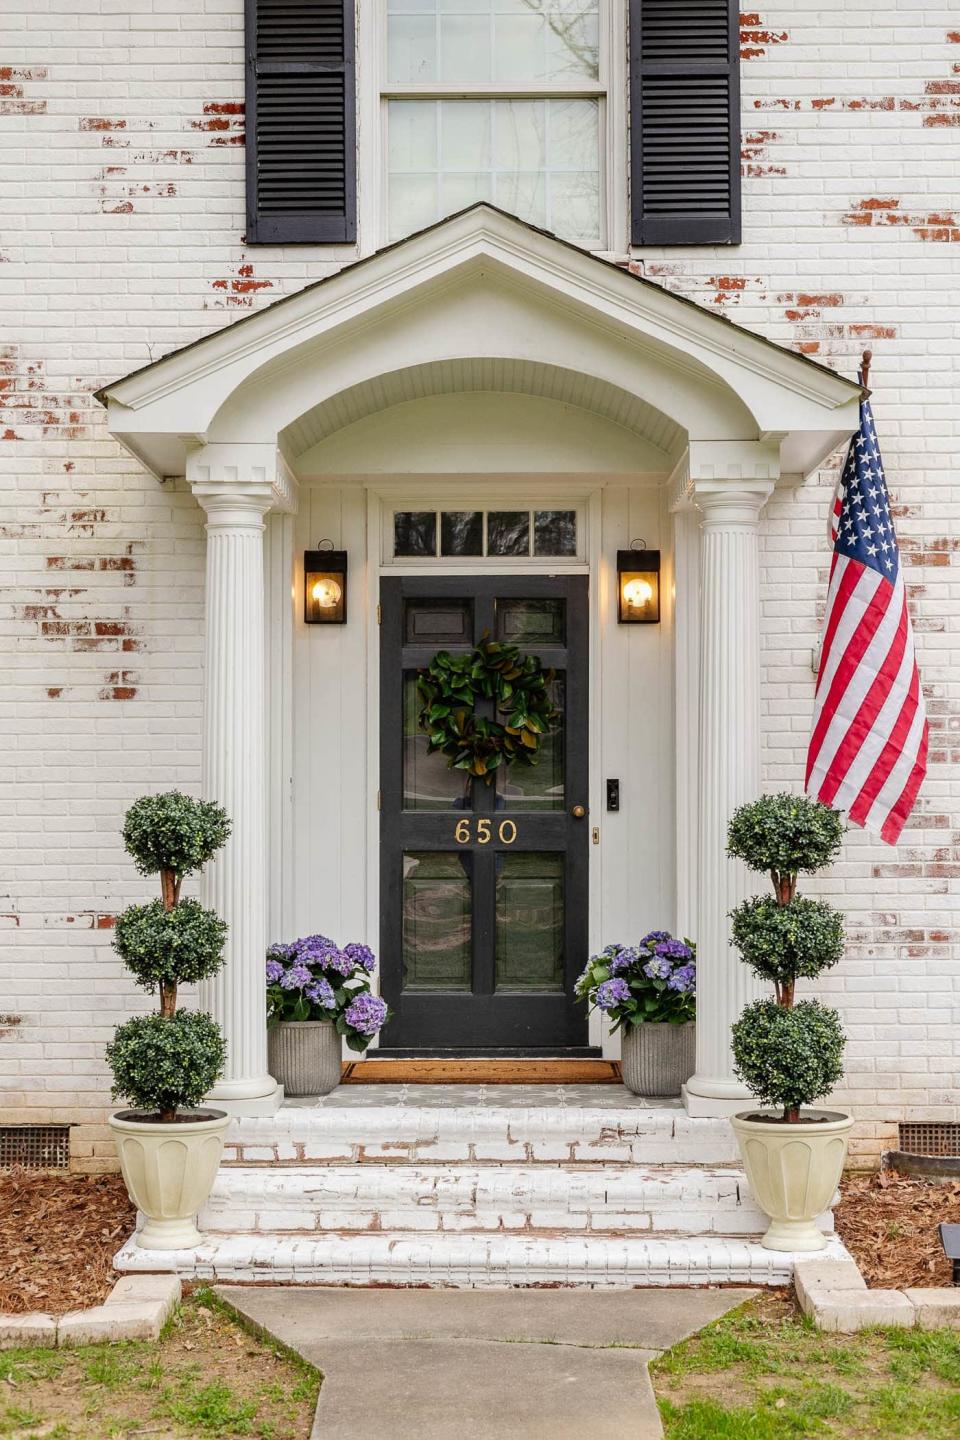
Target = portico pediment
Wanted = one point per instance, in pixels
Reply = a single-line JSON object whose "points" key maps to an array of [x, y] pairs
{"points": [[482, 289]]}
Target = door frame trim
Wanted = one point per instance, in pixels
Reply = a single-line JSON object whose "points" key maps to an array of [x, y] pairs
{"points": [[599, 610]]}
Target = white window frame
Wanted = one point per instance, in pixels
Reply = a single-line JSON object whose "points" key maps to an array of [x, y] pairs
{"points": [[610, 89]]}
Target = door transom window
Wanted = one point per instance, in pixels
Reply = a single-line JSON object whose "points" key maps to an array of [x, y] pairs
{"points": [[505, 533]]}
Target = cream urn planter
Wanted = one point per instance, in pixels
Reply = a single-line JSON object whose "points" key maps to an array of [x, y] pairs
{"points": [[169, 1168], [793, 1171], [304, 1056]]}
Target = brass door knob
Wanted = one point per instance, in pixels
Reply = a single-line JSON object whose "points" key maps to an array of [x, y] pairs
{"points": [[578, 812]]}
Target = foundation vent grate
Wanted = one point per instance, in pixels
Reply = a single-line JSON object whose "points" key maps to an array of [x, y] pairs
{"points": [[930, 1137], [35, 1147]]}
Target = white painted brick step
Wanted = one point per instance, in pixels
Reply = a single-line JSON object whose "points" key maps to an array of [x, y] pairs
{"points": [[677, 1199], [413, 1134], [474, 1261]]}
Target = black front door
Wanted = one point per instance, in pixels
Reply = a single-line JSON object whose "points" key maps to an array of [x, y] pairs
{"points": [[483, 887]]}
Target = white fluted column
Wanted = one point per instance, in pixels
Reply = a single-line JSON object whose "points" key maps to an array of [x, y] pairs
{"points": [[234, 772], [728, 772]]}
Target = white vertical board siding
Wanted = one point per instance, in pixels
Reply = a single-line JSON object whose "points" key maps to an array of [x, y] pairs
{"points": [[635, 859], [278, 579], [330, 729], [685, 608]]}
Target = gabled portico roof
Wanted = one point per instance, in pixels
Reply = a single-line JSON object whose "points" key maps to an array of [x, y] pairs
{"points": [[480, 285]]}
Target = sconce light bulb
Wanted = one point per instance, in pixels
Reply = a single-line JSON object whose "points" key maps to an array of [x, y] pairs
{"points": [[637, 593], [327, 593]]}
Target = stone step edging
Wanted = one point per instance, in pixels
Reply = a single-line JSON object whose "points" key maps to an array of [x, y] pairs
{"points": [[833, 1292], [137, 1308]]}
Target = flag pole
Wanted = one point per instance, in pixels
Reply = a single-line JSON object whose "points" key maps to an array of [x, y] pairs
{"points": [[865, 368]]}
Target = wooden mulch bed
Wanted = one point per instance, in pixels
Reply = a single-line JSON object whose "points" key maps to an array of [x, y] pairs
{"points": [[59, 1233], [58, 1236], [889, 1222]]}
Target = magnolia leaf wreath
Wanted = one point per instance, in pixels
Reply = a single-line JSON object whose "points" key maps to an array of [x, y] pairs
{"points": [[452, 686]]}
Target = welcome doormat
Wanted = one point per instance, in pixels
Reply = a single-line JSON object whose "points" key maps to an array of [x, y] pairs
{"points": [[481, 1072]]}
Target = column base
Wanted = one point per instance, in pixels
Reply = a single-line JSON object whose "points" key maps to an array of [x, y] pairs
{"points": [[705, 1107], [241, 1105]]}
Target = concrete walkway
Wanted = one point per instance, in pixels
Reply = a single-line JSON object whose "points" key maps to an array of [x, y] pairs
{"points": [[482, 1364]]}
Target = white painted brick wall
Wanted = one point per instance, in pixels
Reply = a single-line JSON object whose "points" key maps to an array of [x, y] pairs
{"points": [[121, 166]]}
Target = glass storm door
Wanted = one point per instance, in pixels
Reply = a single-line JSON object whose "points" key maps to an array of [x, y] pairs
{"points": [[483, 887]]}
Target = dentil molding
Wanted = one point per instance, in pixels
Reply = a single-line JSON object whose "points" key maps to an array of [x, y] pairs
{"points": [[242, 469]]}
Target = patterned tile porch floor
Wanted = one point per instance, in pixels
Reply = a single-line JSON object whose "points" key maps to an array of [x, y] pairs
{"points": [[451, 1097]]}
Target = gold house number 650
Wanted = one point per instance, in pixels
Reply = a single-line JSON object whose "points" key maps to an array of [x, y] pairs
{"points": [[506, 832]]}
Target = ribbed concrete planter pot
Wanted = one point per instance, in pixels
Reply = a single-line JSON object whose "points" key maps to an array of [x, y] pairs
{"points": [[657, 1059], [793, 1171], [304, 1056], [169, 1170]]}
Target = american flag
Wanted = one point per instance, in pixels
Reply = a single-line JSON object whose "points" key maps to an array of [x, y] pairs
{"points": [[868, 750]]}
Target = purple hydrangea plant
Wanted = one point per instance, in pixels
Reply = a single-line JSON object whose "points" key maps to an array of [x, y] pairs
{"points": [[683, 980], [363, 956], [314, 978], [366, 1013], [659, 968], [652, 981], [610, 993]]}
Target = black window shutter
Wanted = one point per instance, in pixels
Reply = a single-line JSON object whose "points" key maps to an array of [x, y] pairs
{"points": [[301, 121], [685, 122]]}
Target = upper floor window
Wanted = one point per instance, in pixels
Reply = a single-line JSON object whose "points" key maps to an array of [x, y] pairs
{"points": [[527, 104], [498, 100]]}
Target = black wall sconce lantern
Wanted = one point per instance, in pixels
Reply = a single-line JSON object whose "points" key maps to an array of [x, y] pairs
{"points": [[638, 585], [325, 586]]}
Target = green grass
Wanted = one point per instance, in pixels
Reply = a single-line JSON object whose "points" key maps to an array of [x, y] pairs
{"points": [[210, 1377], [764, 1373], [213, 1409]]}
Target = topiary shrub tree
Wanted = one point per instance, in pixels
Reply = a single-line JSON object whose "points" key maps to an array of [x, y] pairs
{"points": [[788, 1054], [163, 1062]]}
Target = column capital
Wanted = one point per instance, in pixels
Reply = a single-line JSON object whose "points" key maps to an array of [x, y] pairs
{"points": [[232, 505], [244, 471], [727, 505]]}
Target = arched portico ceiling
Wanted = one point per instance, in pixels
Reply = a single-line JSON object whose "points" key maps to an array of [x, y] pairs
{"points": [[501, 376], [480, 289]]}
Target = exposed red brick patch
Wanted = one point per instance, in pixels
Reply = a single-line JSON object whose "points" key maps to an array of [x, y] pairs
{"points": [[64, 629], [754, 153], [725, 290], [933, 225], [223, 122], [121, 685], [28, 406], [870, 331], [86, 919], [118, 199], [98, 122], [13, 98], [238, 289], [54, 691], [939, 104], [125, 562], [70, 562], [755, 39], [804, 306]]}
